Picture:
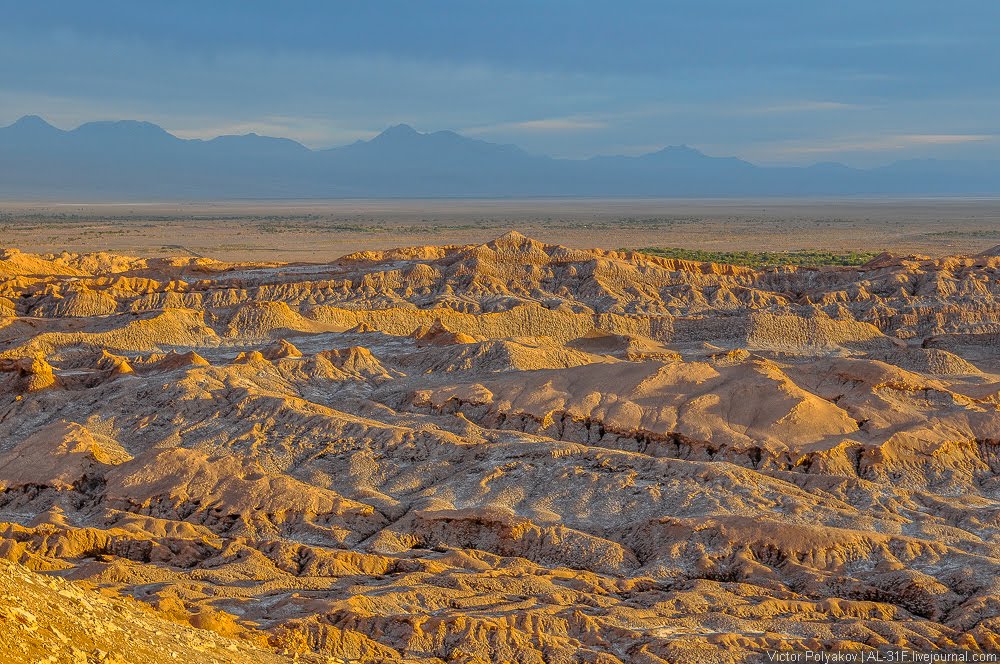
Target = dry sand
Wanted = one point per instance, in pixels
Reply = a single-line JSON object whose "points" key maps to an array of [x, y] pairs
{"points": [[325, 230]]}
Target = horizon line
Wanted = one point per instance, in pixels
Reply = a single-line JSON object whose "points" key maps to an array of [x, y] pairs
{"points": [[405, 125]]}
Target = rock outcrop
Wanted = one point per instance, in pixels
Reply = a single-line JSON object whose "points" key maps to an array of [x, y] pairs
{"points": [[511, 452]]}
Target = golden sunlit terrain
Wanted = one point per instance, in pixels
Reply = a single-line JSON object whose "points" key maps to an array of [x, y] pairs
{"points": [[511, 450]]}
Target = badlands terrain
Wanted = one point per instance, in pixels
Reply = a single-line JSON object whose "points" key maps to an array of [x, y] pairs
{"points": [[501, 451]]}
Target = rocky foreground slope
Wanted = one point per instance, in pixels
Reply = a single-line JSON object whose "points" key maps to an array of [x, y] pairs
{"points": [[512, 452]]}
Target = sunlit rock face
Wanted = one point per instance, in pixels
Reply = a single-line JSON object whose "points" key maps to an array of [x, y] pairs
{"points": [[511, 452]]}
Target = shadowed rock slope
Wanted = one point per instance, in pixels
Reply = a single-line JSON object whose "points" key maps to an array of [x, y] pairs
{"points": [[512, 452]]}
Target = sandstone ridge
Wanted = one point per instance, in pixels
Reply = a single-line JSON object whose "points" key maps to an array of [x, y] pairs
{"points": [[507, 452]]}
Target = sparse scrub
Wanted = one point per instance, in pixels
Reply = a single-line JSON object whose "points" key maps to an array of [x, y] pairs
{"points": [[801, 258]]}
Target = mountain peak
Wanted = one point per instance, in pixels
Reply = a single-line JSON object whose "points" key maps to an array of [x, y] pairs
{"points": [[399, 131], [131, 126], [32, 122], [685, 156], [681, 151]]}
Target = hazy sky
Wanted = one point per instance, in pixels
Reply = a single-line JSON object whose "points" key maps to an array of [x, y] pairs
{"points": [[864, 82]]}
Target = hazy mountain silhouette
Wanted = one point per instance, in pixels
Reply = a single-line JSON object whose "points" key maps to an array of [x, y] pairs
{"points": [[130, 159]]}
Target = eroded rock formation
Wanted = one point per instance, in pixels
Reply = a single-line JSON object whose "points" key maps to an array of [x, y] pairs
{"points": [[512, 452]]}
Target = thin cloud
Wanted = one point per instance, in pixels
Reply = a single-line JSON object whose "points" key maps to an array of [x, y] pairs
{"points": [[541, 125], [805, 106], [891, 142]]}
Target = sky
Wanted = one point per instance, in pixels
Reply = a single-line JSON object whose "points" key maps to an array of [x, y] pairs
{"points": [[772, 81]]}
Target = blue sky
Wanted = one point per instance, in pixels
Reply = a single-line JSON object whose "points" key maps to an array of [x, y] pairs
{"points": [[775, 81]]}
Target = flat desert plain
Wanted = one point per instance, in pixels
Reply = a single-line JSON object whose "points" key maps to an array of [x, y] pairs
{"points": [[325, 230], [398, 433]]}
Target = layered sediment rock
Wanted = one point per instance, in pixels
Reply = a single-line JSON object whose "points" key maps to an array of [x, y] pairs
{"points": [[512, 452]]}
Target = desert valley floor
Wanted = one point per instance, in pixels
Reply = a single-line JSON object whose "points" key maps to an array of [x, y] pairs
{"points": [[496, 451], [322, 231]]}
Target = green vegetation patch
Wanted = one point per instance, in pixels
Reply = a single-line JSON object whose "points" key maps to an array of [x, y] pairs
{"points": [[758, 259]]}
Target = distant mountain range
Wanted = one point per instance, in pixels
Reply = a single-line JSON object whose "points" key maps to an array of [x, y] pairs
{"points": [[138, 160]]}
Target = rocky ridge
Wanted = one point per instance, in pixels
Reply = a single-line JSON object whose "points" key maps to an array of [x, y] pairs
{"points": [[510, 452]]}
